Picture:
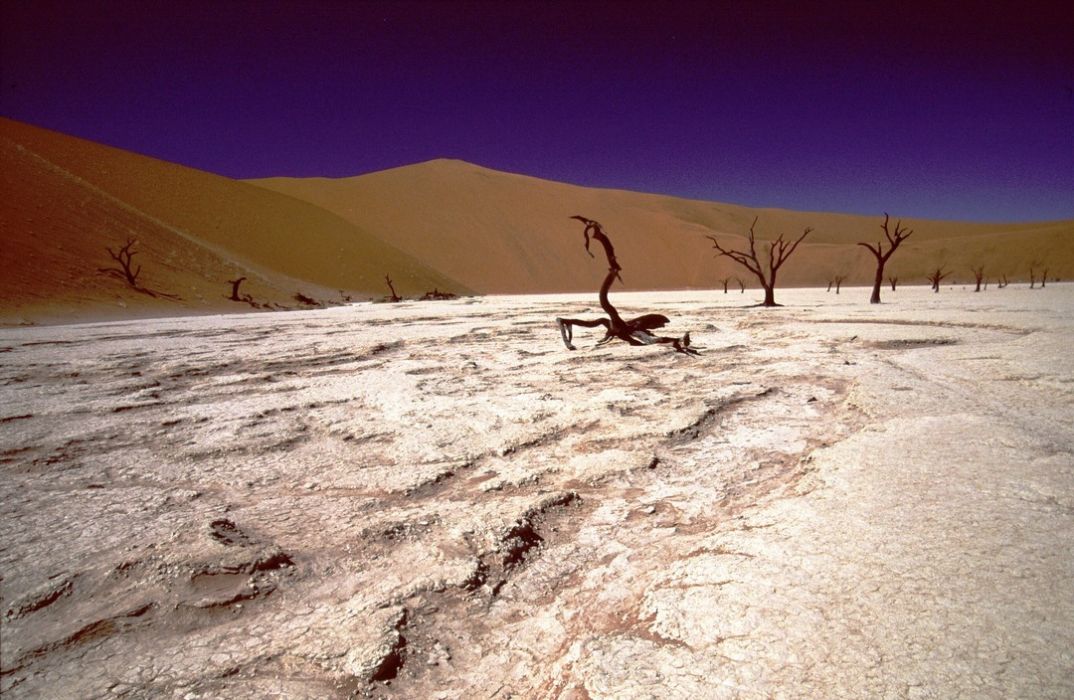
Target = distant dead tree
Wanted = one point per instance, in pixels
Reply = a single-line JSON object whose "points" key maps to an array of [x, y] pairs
{"points": [[1043, 278], [125, 258], [741, 286], [725, 281], [235, 289], [894, 239], [838, 282], [978, 275], [437, 295], [637, 331], [778, 252], [936, 277], [1002, 282], [894, 280], [394, 297], [830, 282], [1032, 276]]}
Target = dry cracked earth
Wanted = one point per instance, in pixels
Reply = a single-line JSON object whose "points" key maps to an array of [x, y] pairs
{"points": [[438, 500]]}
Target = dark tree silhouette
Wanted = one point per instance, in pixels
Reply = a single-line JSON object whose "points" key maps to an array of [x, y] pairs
{"points": [[125, 258], [894, 280], [1043, 278], [1002, 281], [437, 295], [741, 285], [394, 297], [978, 275], [637, 331], [778, 252], [235, 289], [894, 239], [1032, 276], [839, 282], [725, 282], [830, 283], [936, 277]]}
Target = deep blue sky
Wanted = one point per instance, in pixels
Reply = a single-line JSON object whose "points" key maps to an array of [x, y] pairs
{"points": [[960, 111]]}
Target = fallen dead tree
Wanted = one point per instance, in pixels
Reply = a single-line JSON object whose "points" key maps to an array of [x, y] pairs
{"points": [[637, 331]]}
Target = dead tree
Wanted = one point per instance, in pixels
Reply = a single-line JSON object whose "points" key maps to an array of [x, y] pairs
{"points": [[125, 258], [830, 283], [894, 239], [1043, 278], [893, 280], [637, 331], [936, 277], [235, 289], [437, 295], [394, 297], [778, 252], [741, 285], [1002, 282], [725, 282], [1032, 277], [838, 282], [978, 275]]}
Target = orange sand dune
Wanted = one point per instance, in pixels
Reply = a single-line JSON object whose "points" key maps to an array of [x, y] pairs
{"points": [[66, 200], [499, 232]]}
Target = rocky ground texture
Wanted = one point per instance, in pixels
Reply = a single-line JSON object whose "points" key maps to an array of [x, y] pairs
{"points": [[438, 500]]}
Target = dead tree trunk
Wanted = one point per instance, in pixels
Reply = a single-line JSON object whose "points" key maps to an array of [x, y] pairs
{"points": [[936, 277], [978, 275], [778, 252], [741, 286], [394, 297], [839, 282], [235, 289], [894, 239], [125, 257], [1044, 278], [637, 331], [893, 281], [830, 282], [1002, 282], [725, 281]]}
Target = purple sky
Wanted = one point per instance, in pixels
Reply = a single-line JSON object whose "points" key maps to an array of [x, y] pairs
{"points": [[959, 113]]}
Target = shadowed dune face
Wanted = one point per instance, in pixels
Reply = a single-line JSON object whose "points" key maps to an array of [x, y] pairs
{"points": [[503, 233], [65, 200]]}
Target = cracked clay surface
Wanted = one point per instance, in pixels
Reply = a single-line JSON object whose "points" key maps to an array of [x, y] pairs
{"points": [[437, 500]]}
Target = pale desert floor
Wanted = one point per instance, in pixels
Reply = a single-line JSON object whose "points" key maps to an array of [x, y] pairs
{"points": [[438, 500]]}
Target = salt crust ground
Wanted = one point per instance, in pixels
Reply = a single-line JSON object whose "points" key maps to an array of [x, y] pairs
{"points": [[437, 500]]}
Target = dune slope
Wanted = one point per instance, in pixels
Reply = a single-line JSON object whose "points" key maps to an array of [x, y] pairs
{"points": [[67, 200], [499, 232]]}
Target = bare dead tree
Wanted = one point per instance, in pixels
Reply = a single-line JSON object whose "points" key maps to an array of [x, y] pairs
{"points": [[778, 252], [1032, 277], [978, 275], [637, 331], [125, 257], [936, 277], [741, 285], [894, 239], [830, 283], [126, 272], [1002, 281], [1044, 278], [437, 295], [394, 297], [839, 282], [725, 281], [894, 280], [235, 289]]}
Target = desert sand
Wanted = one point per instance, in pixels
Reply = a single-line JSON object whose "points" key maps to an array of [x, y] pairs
{"points": [[438, 500], [445, 225]]}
